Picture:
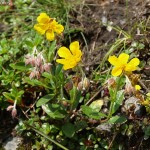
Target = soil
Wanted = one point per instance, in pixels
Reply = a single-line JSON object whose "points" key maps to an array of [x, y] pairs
{"points": [[90, 17]]}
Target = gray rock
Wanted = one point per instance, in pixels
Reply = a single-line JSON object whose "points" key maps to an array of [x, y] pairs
{"points": [[12, 143]]}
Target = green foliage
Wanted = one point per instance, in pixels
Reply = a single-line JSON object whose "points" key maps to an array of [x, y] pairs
{"points": [[92, 113], [52, 110]]}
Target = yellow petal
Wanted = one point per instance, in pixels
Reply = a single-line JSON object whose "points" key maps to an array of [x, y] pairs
{"points": [[65, 53], [68, 64], [113, 60], [132, 65], [59, 29], [116, 71], [43, 18], [62, 61], [50, 35], [40, 28], [74, 48], [123, 58]]}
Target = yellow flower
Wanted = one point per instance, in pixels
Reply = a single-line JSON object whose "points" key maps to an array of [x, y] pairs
{"points": [[137, 87], [121, 64], [71, 57], [48, 26]]}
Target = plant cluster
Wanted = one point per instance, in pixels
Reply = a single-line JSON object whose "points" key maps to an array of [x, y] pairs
{"points": [[63, 106]]}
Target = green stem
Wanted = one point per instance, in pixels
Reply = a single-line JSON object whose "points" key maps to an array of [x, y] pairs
{"points": [[42, 134], [83, 74], [113, 99]]}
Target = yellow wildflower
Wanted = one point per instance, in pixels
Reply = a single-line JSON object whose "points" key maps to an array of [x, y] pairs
{"points": [[137, 87], [71, 57], [48, 26], [121, 64]]}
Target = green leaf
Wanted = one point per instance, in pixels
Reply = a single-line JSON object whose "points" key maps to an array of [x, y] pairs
{"points": [[35, 82], [58, 69], [75, 96], [118, 101], [117, 119], [20, 66], [45, 128], [97, 105], [54, 111], [91, 113], [80, 125], [51, 51], [37, 40], [29, 43], [44, 99], [8, 95], [68, 129], [47, 75]]}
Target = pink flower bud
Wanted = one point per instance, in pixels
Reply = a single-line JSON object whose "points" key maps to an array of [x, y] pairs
{"points": [[47, 67], [9, 108], [33, 61], [111, 82], [32, 75], [14, 112], [38, 60], [37, 74], [41, 69]]}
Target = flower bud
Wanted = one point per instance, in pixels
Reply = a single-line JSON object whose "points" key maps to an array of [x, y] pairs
{"points": [[32, 61], [32, 75], [37, 74], [38, 60], [14, 112], [86, 83], [47, 67], [9, 108], [111, 82], [80, 86], [41, 69]]}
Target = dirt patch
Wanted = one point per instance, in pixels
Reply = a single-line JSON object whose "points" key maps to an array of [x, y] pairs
{"points": [[93, 16]]}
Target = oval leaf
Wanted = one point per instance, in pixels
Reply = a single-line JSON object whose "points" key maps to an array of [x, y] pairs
{"points": [[44, 99]]}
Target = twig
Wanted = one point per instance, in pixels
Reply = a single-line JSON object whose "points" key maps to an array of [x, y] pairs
{"points": [[91, 99], [109, 147], [143, 85]]}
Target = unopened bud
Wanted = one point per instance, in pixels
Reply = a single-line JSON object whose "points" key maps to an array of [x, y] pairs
{"points": [[41, 69], [14, 112], [9, 108], [111, 82], [47, 67], [37, 74], [80, 86], [32, 75], [32, 61], [86, 83], [65, 103], [38, 60]]}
